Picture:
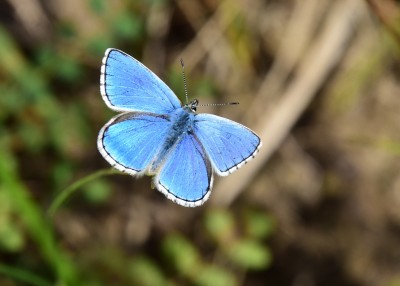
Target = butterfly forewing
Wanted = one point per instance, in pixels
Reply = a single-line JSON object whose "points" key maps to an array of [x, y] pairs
{"points": [[127, 85]]}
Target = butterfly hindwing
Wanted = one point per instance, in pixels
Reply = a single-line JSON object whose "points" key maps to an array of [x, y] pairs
{"points": [[127, 85], [130, 141], [186, 176], [228, 144]]}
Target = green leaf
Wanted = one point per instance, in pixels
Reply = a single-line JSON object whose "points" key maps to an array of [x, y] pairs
{"points": [[128, 26], [146, 273], [11, 238], [62, 173], [8, 104], [97, 45], [220, 224], [259, 225], [32, 136], [98, 6], [181, 254], [69, 70], [215, 276], [250, 254], [97, 191]]}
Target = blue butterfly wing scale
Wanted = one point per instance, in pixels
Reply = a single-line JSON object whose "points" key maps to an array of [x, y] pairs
{"points": [[131, 141], [127, 85], [228, 144], [186, 176]]}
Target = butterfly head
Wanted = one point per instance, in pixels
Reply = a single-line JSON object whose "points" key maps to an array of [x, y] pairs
{"points": [[192, 106]]}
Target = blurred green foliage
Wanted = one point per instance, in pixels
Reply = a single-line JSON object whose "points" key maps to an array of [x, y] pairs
{"points": [[235, 252], [332, 186], [245, 250]]}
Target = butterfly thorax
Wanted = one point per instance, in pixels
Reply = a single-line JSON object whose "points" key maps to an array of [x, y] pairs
{"points": [[181, 124]]}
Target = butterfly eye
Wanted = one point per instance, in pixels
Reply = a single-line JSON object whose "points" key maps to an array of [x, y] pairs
{"points": [[193, 105]]}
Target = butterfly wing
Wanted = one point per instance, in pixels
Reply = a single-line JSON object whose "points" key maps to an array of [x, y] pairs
{"points": [[228, 144], [127, 85], [186, 176], [130, 141]]}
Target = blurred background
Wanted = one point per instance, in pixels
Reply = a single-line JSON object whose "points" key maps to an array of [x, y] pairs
{"points": [[317, 80]]}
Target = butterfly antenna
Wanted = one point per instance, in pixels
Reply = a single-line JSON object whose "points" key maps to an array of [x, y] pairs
{"points": [[184, 80], [219, 104]]}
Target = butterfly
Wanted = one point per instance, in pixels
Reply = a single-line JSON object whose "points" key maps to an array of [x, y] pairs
{"points": [[154, 134]]}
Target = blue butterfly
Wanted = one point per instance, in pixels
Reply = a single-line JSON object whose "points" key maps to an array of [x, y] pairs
{"points": [[156, 135]]}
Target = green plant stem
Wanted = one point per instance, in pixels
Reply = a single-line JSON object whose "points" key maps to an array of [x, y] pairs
{"points": [[35, 223], [67, 192], [23, 276]]}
